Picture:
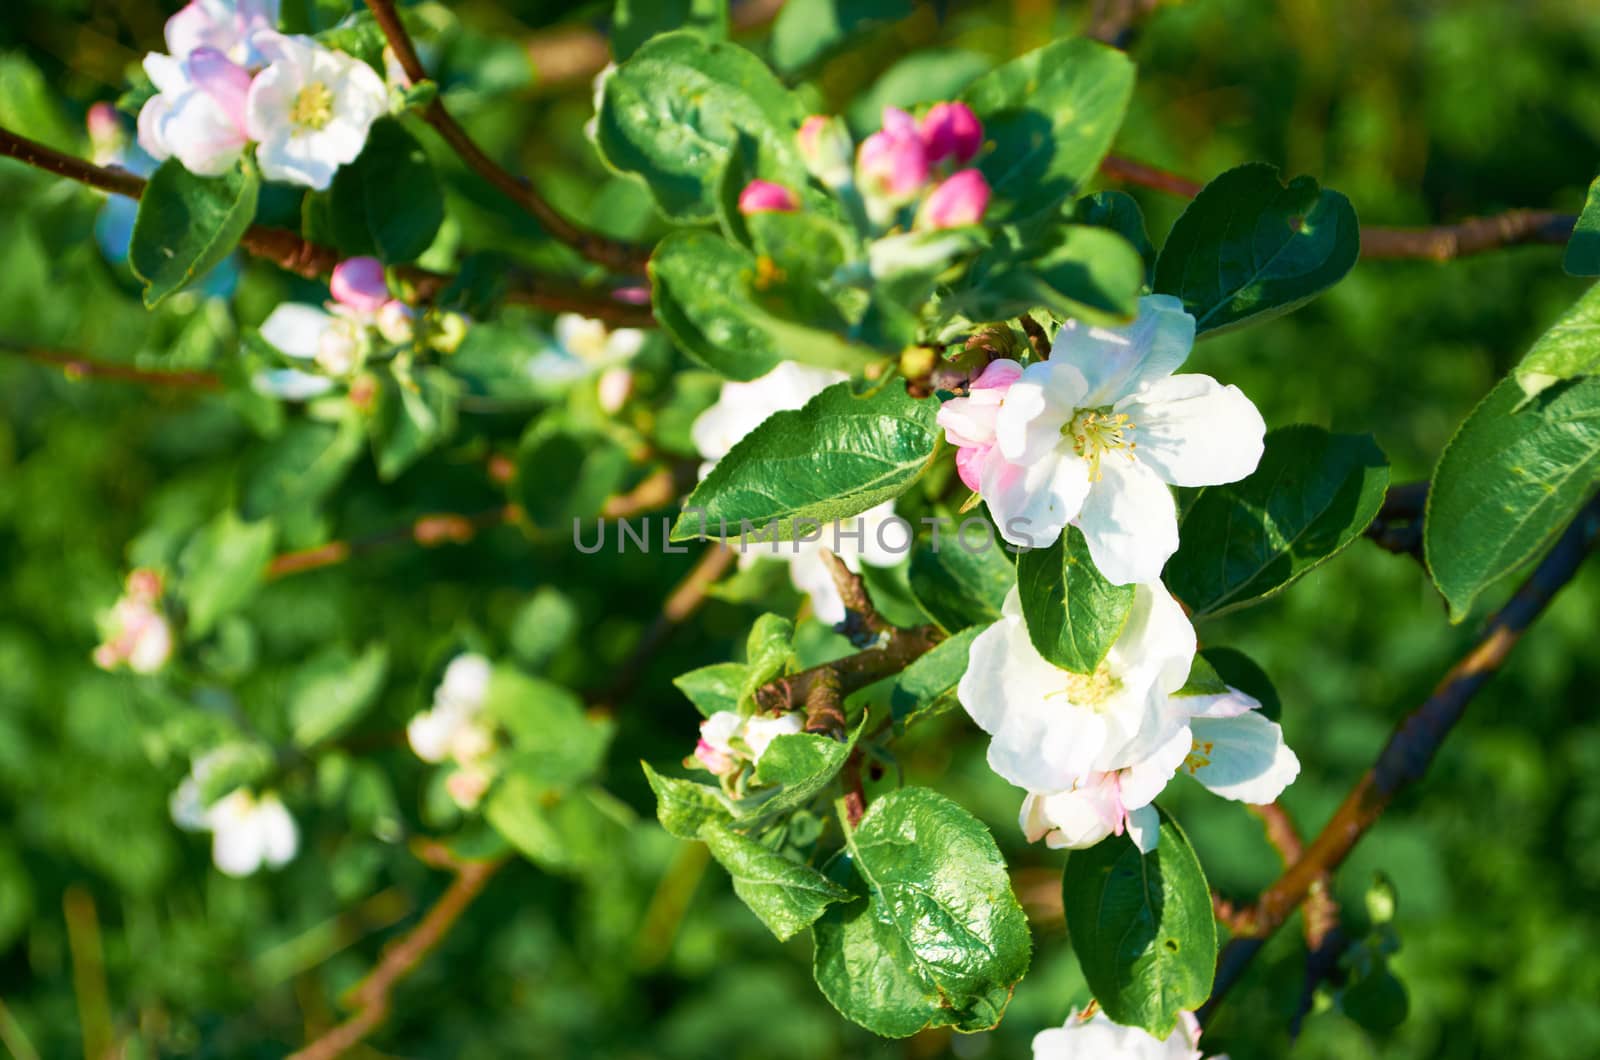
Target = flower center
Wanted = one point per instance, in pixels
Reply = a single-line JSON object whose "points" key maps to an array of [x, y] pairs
{"points": [[313, 107], [1199, 756], [1096, 432], [1090, 691]]}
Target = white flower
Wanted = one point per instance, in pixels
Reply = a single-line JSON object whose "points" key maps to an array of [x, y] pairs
{"points": [[729, 740], [137, 633], [246, 831], [229, 26], [1051, 729], [877, 535], [585, 347], [455, 730], [336, 341], [1095, 435], [310, 109], [291, 384], [198, 113], [1097, 1038]]}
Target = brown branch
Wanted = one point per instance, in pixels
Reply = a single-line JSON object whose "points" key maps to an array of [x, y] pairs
{"points": [[855, 672], [1378, 243], [862, 624], [429, 531], [1397, 527], [1410, 750], [1112, 21], [313, 261], [1320, 910], [76, 366], [372, 997], [613, 254], [1036, 336], [824, 705]]}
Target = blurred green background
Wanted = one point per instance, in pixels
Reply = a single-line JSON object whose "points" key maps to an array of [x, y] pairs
{"points": [[1419, 110]]}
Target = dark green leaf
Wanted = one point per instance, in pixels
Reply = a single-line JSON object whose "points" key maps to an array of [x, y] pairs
{"points": [[713, 688], [1311, 496], [785, 894], [1249, 249], [1508, 482], [928, 685], [553, 739], [413, 416], [686, 809], [1072, 613], [1583, 249], [1085, 272], [808, 30], [633, 22], [296, 470], [187, 225], [1238, 670], [801, 765], [387, 202], [960, 586], [1142, 928], [565, 474], [838, 456], [221, 568], [333, 691], [940, 940], [573, 832], [1571, 348]]}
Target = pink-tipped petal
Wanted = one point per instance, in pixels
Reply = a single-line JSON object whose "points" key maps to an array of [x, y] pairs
{"points": [[360, 284], [960, 200], [763, 196], [951, 131]]}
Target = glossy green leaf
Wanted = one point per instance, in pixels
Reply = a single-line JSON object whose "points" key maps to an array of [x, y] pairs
{"points": [[799, 766], [1571, 348], [685, 808], [928, 685], [1051, 116], [187, 225], [1142, 927], [566, 474], [221, 568], [769, 653], [787, 895], [413, 416], [957, 585], [1087, 272], [1072, 613], [1249, 249], [1312, 495], [1508, 482], [332, 692], [1583, 249], [838, 456], [575, 832], [713, 688], [675, 109], [940, 940], [388, 202]]}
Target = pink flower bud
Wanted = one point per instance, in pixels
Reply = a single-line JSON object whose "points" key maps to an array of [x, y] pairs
{"points": [[825, 147], [144, 585], [359, 283], [635, 295], [763, 196], [893, 162], [226, 82], [106, 135], [951, 130], [960, 200]]}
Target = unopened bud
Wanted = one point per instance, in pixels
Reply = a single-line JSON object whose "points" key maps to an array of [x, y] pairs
{"points": [[397, 322], [951, 131], [615, 387], [449, 332], [893, 162], [341, 347], [825, 146], [763, 196], [359, 283], [106, 134], [959, 201]]}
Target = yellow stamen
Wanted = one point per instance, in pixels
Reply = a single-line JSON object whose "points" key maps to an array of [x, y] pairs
{"points": [[1096, 432], [1090, 691], [1199, 756], [313, 106]]}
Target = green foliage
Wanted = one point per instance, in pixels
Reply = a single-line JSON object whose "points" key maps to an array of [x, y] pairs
{"points": [[960, 586], [187, 225], [1073, 614], [786, 895], [1250, 248], [333, 691], [388, 203], [1311, 496], [1569, 350], [221, 568], [633, 22], [1141, 926], [928, 685], [1583, 249], [807, 30]]}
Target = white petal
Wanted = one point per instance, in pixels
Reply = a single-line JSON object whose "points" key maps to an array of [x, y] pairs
{"points": [[167, 74], [1042, 401], [430, 734], [1158, 636], [1114, 361], [1242, 758], [1032, 504], [1148, 777], [1193, 431], [280, 839], [295, 329], [761, 730], [202, 136], [185, 807], [1229, 704], [810, 574], [720, 728], [1130, 521], [291, 384], [1144, 828], [1068, 820]]}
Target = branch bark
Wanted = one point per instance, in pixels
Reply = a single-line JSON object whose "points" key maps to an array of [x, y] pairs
{"points": [[429, 531], [613, 254], [77, 366], [1410, 750]]}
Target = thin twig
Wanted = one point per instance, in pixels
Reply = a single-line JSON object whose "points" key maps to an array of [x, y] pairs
{"points": [[76, 366], [88, 971], [372, 997], [862, 624], [613, 254], [1397, 527], [429, 531], [1410, 750], [1036, 336], [1379, 243], [824, 706]]}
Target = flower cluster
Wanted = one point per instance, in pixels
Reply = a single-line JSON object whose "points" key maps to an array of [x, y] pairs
{"points": [[1096, 1037], [729, 742], [1093, 437], [455, 730], [910, 168], [584, 347], [247, 830], [230, 80], [740, 409], [137, 633]]}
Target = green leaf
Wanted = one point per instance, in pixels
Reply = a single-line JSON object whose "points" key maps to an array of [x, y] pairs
{"points": [[960, 586], [673, 112], [1119, 212], [1087, 272], [1051, 116], [686, 809], [300, 467], [413, 416], [800, 766], [333, 691], [1203, 680], [786, 895], [633, 22], [940, 940], [808, 30], [388, 202], [553, 739], [928, 685], [1583, 249], [1508, 482], [566, 474], [1072, 613], [769, 652], [221, 568], [1312, 495], [1249, 249], [1571, 347], [1236, 669], [187, 225], [713, 688], [576, 832], [925, 76], [1142, 928], [838, 456]]}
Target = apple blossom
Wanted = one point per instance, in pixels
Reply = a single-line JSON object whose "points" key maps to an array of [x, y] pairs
{"points": [[1051, 729], [138, 634], [763, 196], [396, 322], [198, 112], [336, 341], [1096, 1037], [614, 389], [825, 147], [453, 729], [728, 740], [892, 164], [247, 831], [228, 26], [582, 347], [968, 422], [311, 109], [960, 200], [951, 131], [1095, 435], [360, 284]]}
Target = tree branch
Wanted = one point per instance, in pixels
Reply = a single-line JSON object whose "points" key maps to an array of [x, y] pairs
{"points": [[303, 258], [76, 366], [614, 255], [1438, 243], [1397, 527], [429, 531], [1410, 750], [372, 996]]}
